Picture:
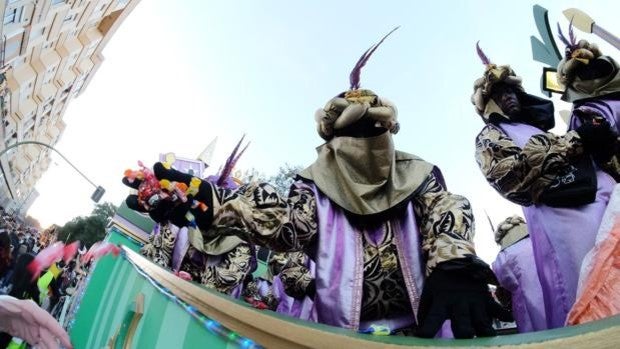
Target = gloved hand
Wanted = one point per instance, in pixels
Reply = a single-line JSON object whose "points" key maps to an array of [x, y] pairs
{"points": [[459, 292], [26, 320], [599, 140], [176, 211]]}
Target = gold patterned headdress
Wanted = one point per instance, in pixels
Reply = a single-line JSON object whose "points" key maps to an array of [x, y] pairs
{"points": [[511, 230], [576, 54], [493, 74], [352, 105]]}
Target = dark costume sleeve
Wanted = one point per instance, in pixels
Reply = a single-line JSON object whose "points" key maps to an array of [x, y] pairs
{"points": [[257, 212], [445, 220], [231, 271], [521, 175], [159, 247], [292, 271]]}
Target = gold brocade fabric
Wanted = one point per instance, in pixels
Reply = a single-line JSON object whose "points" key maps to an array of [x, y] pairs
{"points": [[215, 246], [522, 174], [366, 175]]}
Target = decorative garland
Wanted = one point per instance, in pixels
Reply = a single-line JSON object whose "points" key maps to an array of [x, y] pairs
{"points": [[76, 300]]}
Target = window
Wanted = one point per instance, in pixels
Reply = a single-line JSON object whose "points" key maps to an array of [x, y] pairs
{"points": [[10, 16], [12, 47], [56, 2]]}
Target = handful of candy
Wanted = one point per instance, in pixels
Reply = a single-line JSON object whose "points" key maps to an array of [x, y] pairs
{"points": [[151, 191]]}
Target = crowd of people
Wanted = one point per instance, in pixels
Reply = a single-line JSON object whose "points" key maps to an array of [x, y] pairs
{"points": [[19, 245]]}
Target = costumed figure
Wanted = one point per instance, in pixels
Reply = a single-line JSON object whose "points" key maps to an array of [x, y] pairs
{"points": [[393, 249], [179, 241], [516, 272], [592, 84], [563, 193]]}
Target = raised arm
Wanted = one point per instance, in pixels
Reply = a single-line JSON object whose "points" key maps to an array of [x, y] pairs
{"points": [[255, 212], [521, 175]]}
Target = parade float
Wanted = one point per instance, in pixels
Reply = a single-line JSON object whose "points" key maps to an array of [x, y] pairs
{"points": [[129, 302]]}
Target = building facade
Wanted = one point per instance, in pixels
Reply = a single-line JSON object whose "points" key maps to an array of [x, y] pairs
{"points": [[50, 51]]}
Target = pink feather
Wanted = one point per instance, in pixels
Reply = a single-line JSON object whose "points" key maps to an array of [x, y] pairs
{"points": [[89, 253], [45, 259], [355, 75], [230, 163], [70, 251], [100, 249], [485, 60], [562, 37], [571, 33], [571, 42]]}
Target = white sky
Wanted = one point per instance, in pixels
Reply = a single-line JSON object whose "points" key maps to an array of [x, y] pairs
{"points": [[175, 76]]}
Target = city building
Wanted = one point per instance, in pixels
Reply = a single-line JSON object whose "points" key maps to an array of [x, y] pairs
{"points": [[50, 51]]}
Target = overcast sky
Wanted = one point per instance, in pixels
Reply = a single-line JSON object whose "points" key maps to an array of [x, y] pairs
{"points": [[176, 75]]}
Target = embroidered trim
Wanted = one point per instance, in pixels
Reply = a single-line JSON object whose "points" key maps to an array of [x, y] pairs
{"points": [[356, 309], [412, 289]]}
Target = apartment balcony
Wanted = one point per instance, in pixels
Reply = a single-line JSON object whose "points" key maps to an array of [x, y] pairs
{"points": [[46, 93], [27, 108], [20, 163], [20, 76], [60, 125], [32, 152], [30, 182], [37, 173], [45, 163], [84, 66], [65, 79], [53, 134], [91, 37], [47, 60], [69, 47], [43, 137]]}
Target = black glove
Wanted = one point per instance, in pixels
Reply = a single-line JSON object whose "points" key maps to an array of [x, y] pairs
{"points": [[599, 140], [459, 292], [204, 189]]}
